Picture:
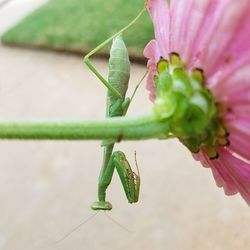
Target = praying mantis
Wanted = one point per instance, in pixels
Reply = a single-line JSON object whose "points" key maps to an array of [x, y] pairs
{"points": [[117, 105]]}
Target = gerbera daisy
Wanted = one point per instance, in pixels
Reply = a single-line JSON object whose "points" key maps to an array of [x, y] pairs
{"points": [[206, 42]]}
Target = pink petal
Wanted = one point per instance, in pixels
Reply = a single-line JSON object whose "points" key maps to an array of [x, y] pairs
{"points": [[232, 85], [239, 171], [228, 70], [186, 20], [222, 22], [230, 173], [152, 52], [224, 177], [238, 126], [200, 156], [237, 48], [240, 145], [221, 175], [179, 15], [159, 13], [210, 34]]}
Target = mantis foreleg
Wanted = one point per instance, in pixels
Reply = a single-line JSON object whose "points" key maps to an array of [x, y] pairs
{"points": [[130, 181]]}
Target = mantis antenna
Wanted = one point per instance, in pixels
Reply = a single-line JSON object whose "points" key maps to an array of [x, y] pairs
{"points": [[86, 221], [76, 228]]}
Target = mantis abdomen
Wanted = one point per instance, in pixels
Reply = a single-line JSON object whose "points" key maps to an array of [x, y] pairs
{"points": [[119, 73]]}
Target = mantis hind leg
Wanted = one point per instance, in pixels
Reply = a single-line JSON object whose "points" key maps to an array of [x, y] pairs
{"points": [[87, 61], [126, 103]]}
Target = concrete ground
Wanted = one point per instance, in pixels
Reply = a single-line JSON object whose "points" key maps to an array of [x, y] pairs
{"points": [[46, 188]]}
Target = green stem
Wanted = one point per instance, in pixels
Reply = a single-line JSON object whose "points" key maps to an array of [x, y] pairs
{"points": [[122, 128]]}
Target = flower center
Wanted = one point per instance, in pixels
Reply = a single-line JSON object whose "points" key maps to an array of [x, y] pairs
{"points": [[183, 99]]}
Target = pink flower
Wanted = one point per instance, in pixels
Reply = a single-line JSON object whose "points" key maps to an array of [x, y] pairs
{"points": [[212, 35]]}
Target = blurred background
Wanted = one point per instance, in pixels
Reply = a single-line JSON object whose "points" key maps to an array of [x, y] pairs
{"points": [[46, 188]]}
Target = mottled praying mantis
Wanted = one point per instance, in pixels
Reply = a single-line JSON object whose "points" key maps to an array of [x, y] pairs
{"points": [[117, 105]]}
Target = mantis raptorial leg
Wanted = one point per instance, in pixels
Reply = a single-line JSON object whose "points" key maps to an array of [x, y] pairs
{"points": [[130, 181], [117, 105]]}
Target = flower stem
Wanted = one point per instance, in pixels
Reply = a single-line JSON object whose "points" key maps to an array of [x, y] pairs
{"points": [[122, 128]]}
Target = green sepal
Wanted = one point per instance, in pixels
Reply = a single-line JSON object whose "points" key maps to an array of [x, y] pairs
{"points": [[162, 65], [181, 82], [175, 59], [198, 76], [166, 106], [164, 84], [156, 80], [192, 144]]}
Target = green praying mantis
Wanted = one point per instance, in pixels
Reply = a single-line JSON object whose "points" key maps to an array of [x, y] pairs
{"points": [[117, 105]]}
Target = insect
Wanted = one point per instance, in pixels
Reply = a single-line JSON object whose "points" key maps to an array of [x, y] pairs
{"points": [[117, 105], [119, 73]]}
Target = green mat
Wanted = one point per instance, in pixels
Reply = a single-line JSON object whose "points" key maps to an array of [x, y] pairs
{"points": [[80, 25]]}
